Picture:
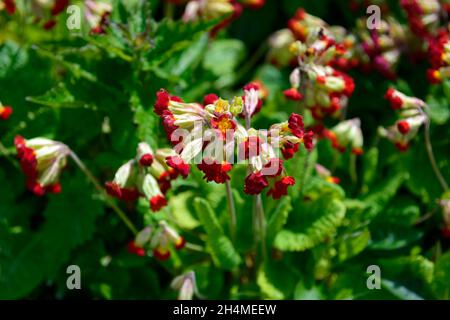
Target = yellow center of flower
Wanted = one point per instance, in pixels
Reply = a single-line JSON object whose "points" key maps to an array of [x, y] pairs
{"points": [[222, 106], [224, 125]]}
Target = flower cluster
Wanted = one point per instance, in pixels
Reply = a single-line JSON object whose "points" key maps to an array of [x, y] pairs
{"points": [[159, 240], [439, 52], [411, 118], [97, 14], [42, 161], [5, 112], [147, 175], [423, 16], [346, 135], [210, 135]]}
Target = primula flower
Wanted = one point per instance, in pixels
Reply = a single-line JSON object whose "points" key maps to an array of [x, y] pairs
{"points": [[5, 112], [423, 16], [97, 14], [158, 240], [255, 92], [214, 171], [147, 175], [186, 286], [411, 118], [213, 9], [439, 53], [346, 134], [42, 161]]}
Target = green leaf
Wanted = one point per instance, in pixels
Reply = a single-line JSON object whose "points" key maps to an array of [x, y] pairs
{"points": [[322, 218], [278, 218], [351, 244], [224, 254], [441, 283], [45, 252], [399, 291], [370, 163], [439, 108]]}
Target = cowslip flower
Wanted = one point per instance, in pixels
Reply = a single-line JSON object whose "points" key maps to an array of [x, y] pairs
{"points": [[42, 161], [213, 9], [9, 6], [382, 47], [206, 131], [326, 90], [302, 24], [147, 176], [97, 14], [279, 53], [47, 10], [5, 112], [423, 16], [346, 135], [439, 53], [186, 286], [411, 118], [266, 169], [156, 239]]}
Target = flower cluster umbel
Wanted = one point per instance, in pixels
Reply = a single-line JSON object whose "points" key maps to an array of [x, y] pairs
{"points": [[157, 239], [210, 135], [147, 175]]}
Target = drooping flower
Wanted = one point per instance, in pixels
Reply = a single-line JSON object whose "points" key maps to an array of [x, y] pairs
{"points": [[186, 286], [346, 135], [156, 239], [97, 14], [279, 189], [148, 176], [42, 161], [217, 172], [411, 118]]}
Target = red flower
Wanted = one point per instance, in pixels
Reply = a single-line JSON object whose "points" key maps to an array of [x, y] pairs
{"points": [[162, 101], [274, 163], [59, 6], [255, 183], [280, 187], [134, 249], [293, 94], [296, 125], [403, 127], [5, 112], [50, 24], [289, 149], [223, 123], [402, 147], [178, 164], [396, 101], [10, 6], [216, 172], [210, 99], [308, 140], [161, 253], [434, 76], [125, 194], [180, 243], [254, 4], [146, 160], [157, 202]]}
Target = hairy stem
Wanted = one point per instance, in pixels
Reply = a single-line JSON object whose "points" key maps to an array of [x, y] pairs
{"points": [[101, 190], [433, 163], [231, 210]]}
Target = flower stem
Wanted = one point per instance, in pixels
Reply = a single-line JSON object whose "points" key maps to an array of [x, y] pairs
{"points": [[259, 222], [434, 165], [231, 210], [101, 190]]}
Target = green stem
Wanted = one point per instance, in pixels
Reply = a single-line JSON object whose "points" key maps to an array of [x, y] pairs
{"points": [[260, 226], [101, 190], [434, 165], [231, 210]]}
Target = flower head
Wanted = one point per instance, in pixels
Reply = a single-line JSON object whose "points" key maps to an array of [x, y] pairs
{"points": [[346, 134], [5, 112], [97, 14], [42, 161]]}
